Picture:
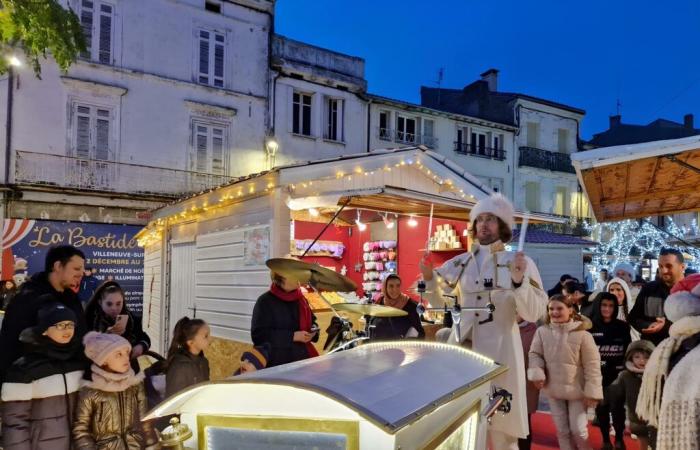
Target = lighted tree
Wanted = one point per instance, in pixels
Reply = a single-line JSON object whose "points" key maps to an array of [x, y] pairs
{"points": [[39, 28]]}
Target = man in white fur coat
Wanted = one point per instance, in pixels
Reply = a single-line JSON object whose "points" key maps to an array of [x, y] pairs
{"points": [[669, 398], [521, 294]]}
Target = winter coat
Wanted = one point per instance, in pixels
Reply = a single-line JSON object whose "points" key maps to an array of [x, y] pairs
{"points": [[527, 334], [109, 412], [21, 314], [88, 285], [626, 387], [39, 394], [97, 320], [387, 328], [648, 306], [499, 338], [612, 339], [6, 297], [185, 370], [274, 322], [565, 356]]}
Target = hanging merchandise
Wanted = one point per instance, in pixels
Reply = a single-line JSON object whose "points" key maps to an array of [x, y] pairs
{"points": [[380, 262]]}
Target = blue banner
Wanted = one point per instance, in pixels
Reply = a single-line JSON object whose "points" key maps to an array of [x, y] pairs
{"points": [[111, 249]]}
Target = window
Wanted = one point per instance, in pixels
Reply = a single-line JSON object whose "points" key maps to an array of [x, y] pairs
{"points": [[334, 119], [301, 114], [210, 148], [533, 131], [405, 129], [212, 7], [563, 140], [97, 20], [428, 133], [210, 58], [478, 143], [579, 205], [92, 126], [498, 142], [384, 121], [560, 201], [532, 196]]}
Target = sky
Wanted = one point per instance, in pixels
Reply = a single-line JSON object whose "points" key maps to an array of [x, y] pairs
{"points": [[587, 54]]}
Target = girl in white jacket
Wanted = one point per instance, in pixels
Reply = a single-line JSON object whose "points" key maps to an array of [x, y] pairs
{"points": [[565, 364]]}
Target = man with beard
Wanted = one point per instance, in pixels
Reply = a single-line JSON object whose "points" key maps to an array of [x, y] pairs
{"points": [[63, 270], [647, 315], [520, 294]]}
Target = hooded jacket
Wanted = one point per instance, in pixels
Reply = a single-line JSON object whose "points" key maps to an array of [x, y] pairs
{"points": [[21, 314], [626, 387], [185, 370], [565, 356], [39, 394], [612, 339]]}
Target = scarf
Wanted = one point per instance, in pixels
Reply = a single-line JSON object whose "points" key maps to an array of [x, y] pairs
{"points": [[306, 319], [397, 303], [656, 371], [104, 380]]}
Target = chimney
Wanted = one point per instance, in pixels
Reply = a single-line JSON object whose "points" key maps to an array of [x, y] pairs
{"points": [[615, 120], [491, 78], [688, 121]]}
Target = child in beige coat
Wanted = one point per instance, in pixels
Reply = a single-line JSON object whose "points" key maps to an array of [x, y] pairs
{"points": [[565, 363]]}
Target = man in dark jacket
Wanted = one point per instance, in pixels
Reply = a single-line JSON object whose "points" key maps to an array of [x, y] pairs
{"points": [[647, 315], [63, 271], [580, 296]]}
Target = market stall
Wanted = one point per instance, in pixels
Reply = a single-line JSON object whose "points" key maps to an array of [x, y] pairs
{"points": [[374, 397], [205, 255]]}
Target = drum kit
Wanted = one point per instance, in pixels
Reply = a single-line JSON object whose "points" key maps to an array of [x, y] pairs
{"points": [[341, 335]]}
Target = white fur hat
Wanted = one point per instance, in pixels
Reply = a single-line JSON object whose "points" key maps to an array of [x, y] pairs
{"points": [[684, 299], [497, 205]]}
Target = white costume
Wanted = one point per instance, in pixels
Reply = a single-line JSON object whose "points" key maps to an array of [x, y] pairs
{"points": [[499, 339]]}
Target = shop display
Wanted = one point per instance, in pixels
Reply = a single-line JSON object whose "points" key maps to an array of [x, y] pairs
{"points": [[331, 249], [379, 261], [445, 238], [317, 303]]}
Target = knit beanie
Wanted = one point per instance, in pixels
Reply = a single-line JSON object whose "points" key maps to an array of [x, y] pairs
{"points": [[98, 346], [627, 267], [52, 314], [497, 205], [684, 300]]}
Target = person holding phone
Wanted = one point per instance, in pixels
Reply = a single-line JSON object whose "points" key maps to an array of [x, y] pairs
{"points": [[283, 320], [106, 312]]}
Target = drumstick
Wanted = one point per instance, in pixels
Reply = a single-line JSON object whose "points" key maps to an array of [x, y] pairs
{"points": [[523, 232]]}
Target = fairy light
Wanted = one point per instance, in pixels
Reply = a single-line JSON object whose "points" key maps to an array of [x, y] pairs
{"points": [[313, 212], [412, 222], [361, 226]]}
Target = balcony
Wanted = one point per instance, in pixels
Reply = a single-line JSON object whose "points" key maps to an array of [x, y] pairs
{"points": [[480, 152], [544, 159], [98, 175], [403, 137]]}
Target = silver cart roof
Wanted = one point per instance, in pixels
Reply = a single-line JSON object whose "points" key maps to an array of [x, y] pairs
{"points": [[391, 384]]}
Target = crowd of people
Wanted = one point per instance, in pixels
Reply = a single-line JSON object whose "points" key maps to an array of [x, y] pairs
{"points": [[71, 376], [69, 366]]}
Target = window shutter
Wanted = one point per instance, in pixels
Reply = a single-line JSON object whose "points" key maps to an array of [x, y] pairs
{"points": [[86, 11], [296, 113], [102, 135], [105, 46], [202, 135], [219, 60], [82, 144], [217, 151], [204, 57]]}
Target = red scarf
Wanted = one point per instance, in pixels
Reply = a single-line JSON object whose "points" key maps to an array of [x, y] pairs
{"points": [[305, 316]]}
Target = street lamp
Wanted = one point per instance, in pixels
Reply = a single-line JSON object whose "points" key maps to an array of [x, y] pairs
{"points": [[14, 61], [271, 146]]}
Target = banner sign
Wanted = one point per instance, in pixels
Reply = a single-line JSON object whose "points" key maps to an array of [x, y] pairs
{"points": [[111, 249]]}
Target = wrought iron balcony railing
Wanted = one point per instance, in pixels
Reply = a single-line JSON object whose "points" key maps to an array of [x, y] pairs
{"points": [[403, 137], [479, 151], [99, 175], [544, 159]]}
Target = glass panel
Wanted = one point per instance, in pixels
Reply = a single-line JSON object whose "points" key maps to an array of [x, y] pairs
{"points": [[102, 140], [105, 55], [217, 438]]}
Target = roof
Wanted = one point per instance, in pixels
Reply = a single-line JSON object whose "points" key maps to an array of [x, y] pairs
{"points": [[641, 180], [426, 109], [392, 384], [658, 130], [477, 100], [545, 237]]}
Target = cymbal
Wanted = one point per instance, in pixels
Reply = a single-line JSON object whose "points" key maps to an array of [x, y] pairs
{"points": [[319, 277], [370, 310]]}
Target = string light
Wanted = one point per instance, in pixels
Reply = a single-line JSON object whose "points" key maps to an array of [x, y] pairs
{"points": [[361, 226], [314, 212], [412, 222]]}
